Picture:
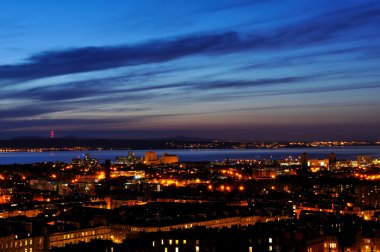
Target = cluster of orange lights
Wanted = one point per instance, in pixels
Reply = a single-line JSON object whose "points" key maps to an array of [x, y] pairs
{"points": [[101, 176], [367, 177], [5, 199], [224, 188], [231, 173], [168, 182]]}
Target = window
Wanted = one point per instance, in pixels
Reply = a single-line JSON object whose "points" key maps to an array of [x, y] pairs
{"points": [[332, 245], [184, 241], [270, 240], [196, 248]]}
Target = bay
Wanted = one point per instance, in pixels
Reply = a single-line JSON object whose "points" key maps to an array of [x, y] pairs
{"points": [[193, 155]]}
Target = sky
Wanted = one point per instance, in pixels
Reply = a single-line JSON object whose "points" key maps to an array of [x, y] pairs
{"points": [[268, 70]]}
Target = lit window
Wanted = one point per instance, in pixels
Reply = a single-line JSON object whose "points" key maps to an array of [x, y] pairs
{"points": [[333, 245], [166, 249], [184, 241], [176, 249], [196, 248], [153, 244], [176, 241], [170, 242], [162, 241], [250, 249], [270, 248], [270, 240]]}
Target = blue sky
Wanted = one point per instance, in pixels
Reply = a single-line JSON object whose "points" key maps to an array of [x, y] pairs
{"points": [[255, 70]]}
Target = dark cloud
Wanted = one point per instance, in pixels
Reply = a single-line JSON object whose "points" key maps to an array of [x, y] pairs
{"points": [[86, 59], [77, 60]]}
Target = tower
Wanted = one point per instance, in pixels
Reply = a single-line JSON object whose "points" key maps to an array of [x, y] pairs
{"points": [[107, 171], [304, 161], [332, 158]]}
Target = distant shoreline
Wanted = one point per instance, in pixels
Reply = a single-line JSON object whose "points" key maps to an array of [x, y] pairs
{"points": [[64, 149]]}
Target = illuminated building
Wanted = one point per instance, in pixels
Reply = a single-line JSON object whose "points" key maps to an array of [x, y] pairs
{"points": [[318, 163], [169, 159], [151, 158], [14, 243], [364, 161]]}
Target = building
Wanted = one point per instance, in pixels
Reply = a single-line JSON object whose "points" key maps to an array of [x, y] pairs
{"points": [[318, 163], [27, 244], [304, 160], [364, 161], [151, 158], [169, 159], [332, 158]]}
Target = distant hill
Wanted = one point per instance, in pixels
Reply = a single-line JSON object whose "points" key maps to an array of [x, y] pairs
{"points": [[28, 137], [188, 139]]}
